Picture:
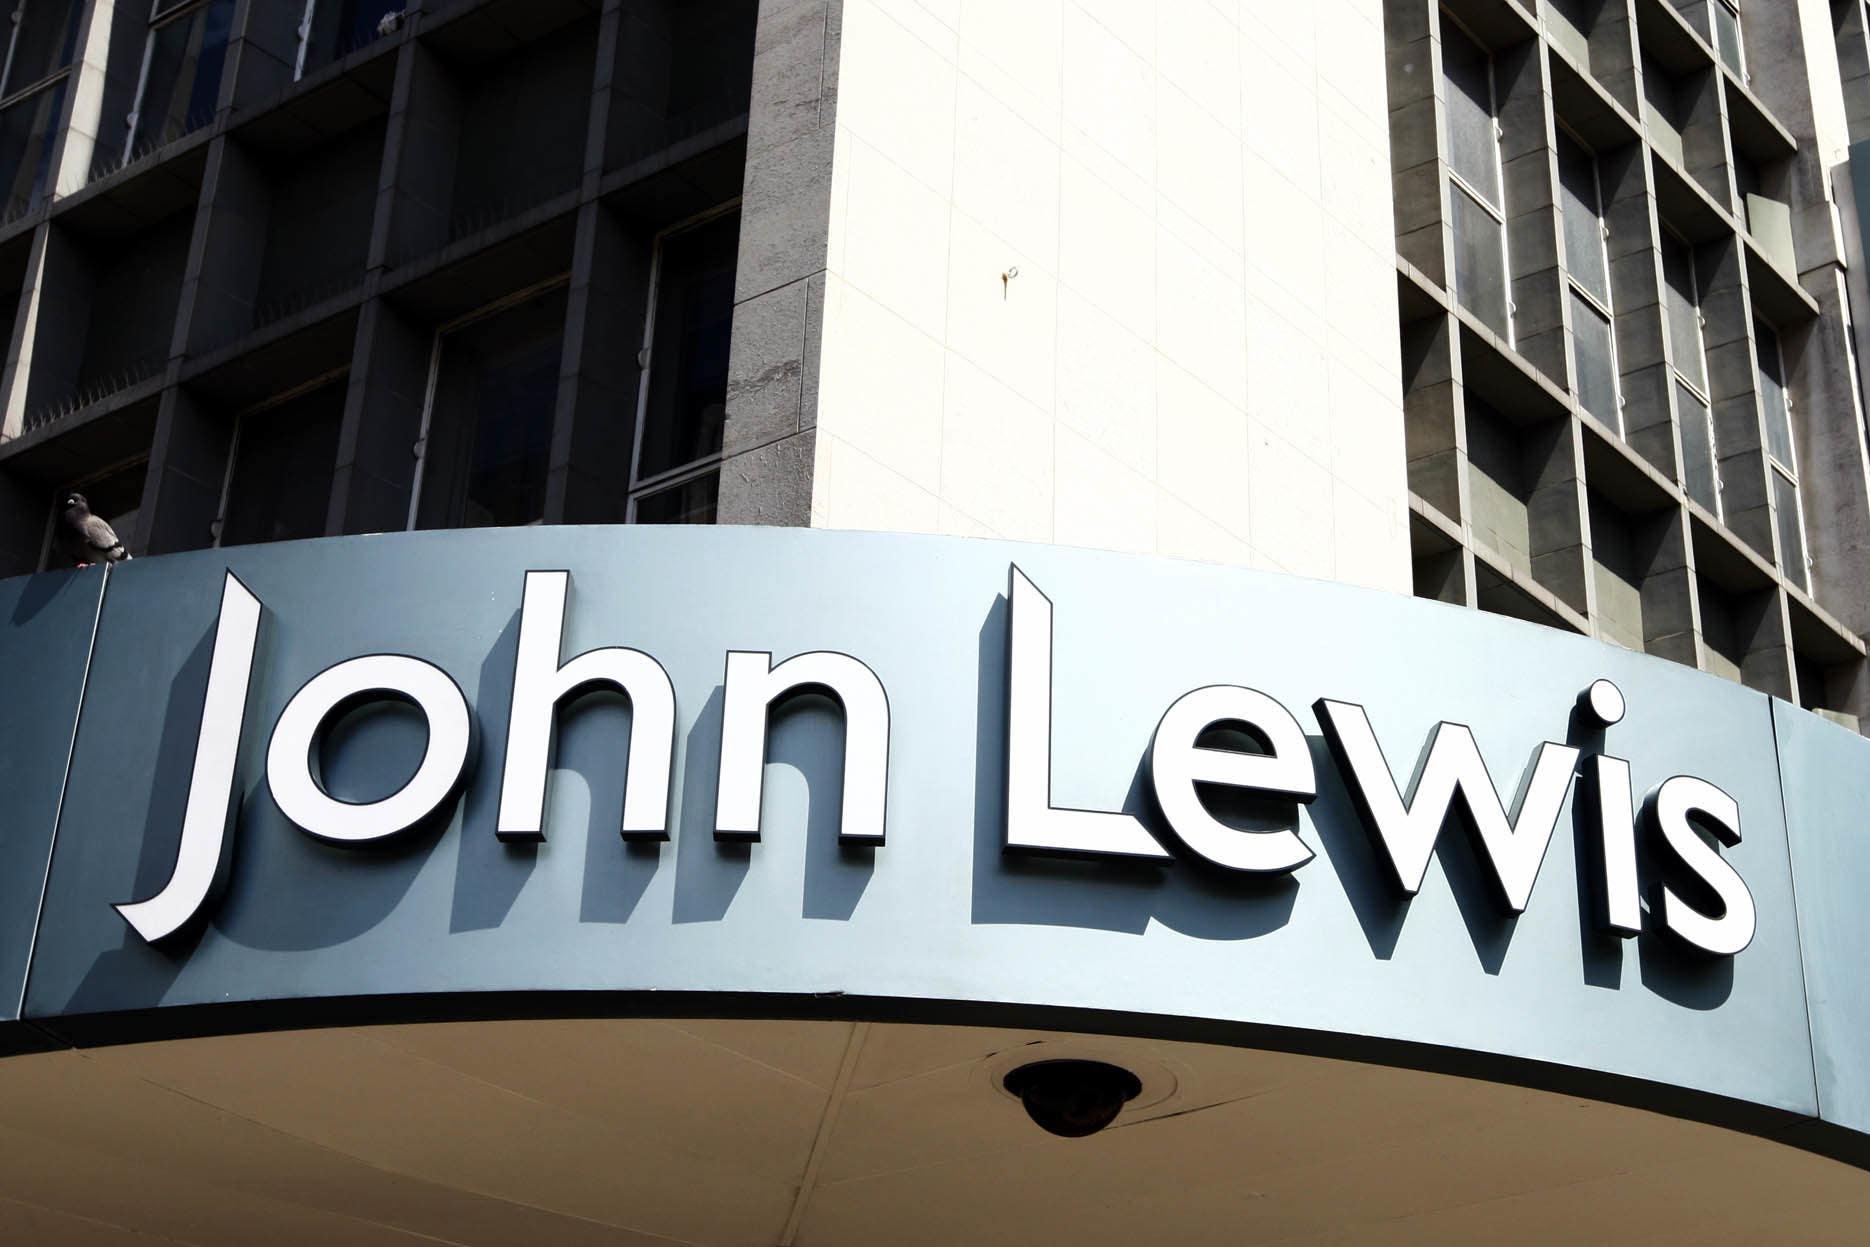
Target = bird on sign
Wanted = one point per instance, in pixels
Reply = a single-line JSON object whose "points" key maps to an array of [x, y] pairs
{"points": [[85, 538]]}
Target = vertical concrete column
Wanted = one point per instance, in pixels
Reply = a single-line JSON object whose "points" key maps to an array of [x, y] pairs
{"points": [[83, 114], [1529, 159], [422, 143], [1555, 513], [1613, 54], [1432, 433], [1733, 389], [374, 481], [594, 432], [1418, 176], [1791, 64], [1671, 611], [1636, 294], [769, 444], [1766, 632], [588, 470], [263, 55], [228, 250], [15, 382], [1834, 460], [1705, 153], [187, 469], [1853, 49]]}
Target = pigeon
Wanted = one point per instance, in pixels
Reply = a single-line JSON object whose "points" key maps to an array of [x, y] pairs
{"points": [[85, 538]]}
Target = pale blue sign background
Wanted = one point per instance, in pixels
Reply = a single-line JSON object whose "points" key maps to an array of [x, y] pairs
{"points": [[938, 923]]}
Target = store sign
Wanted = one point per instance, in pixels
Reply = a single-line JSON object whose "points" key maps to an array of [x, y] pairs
{"points": [[1218, 740]]}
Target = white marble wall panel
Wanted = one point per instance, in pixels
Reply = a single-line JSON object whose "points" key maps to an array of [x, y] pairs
{"points": [[1119, 274]]}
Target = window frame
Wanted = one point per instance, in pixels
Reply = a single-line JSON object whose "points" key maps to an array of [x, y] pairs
{"points": [[437, 341], [1605, 306], [334, 377], [641, 487], [1789, 471], [9, 94], [159, 18], [1462, 185], [1704, 390], [1739, 71]]}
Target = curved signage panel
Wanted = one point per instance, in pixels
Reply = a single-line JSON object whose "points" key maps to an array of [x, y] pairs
{"points": [[783, 772]]}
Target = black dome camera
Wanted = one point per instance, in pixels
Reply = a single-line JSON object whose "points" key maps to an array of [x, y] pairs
{"points": [[1073, 1098]]}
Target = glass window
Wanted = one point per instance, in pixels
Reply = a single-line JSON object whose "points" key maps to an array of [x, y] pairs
{"points": [[45, 32], [1474, 148], [1683, 305], [279, 487], [1727, 34], [181, 74], [1582, 210], [1596, 361], [1773, 401], [489, 435], [27, 129], [1479, 261], [1791, 527], [1699, 476], [686, 404], [691, 502], [336, 28]]}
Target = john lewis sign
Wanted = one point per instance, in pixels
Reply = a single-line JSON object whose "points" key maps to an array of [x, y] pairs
{"points": [[873, 776], [1216, 739]]}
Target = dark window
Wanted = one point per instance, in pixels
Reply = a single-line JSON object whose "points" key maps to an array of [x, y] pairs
{"points": [[182, 80], [1583, 218], [1773, 402], [1699, 476], [280, 486], [1596, 362], [1791, 526], [1474, 148], [27, 129], [490, 424], [1727, 34], [45, 34], [1479, 261], [339, 27], [691, 502], [1684, 310], [692, 329]]}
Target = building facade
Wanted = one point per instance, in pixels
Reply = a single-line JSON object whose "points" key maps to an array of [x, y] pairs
{"points": [[442, 362]]}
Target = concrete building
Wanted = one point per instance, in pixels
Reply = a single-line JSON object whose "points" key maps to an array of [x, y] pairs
{"points": [[1551, 309]]}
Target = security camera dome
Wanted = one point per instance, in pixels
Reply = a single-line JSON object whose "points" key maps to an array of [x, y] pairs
{"points": [[1073, 1098]]}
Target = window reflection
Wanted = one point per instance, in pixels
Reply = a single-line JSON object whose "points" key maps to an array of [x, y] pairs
{"points": [[182, 73], [691, 502], [490, 423], [336, 28], [27, 129], [45, 33], [280, 487], [687, 402]]}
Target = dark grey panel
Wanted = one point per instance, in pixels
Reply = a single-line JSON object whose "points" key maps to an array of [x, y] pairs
{"points": [[938, 914], [1826, 771], [45, 638]]}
